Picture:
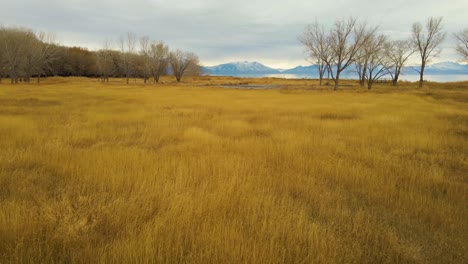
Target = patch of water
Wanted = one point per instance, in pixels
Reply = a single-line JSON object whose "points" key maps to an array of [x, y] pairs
{"points": [[252, 86]]}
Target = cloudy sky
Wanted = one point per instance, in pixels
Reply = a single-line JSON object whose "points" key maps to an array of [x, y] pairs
{"points": [[224, 31]]}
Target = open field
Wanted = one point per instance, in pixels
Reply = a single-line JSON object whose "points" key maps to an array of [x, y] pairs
{"points": [[192, 173]]}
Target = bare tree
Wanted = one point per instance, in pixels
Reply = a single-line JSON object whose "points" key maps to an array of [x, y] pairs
{"points": [[31, 57], [127, 47], [105, 61], [398, 52], [315, 41], [145, 53], [345, 40], [14, 45], [360, 66], [160, 59], [427, 42], [376, 62], [180, 61], [47, 54], [462, 47], [371, 63], [194, 69]]}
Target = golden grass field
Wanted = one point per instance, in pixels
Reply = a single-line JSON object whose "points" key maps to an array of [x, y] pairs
{"points": [[194, 173]]}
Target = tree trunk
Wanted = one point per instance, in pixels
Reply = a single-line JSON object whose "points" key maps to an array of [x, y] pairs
{"points": [[395, 79], [362, 78], [370, 81], [178, 77], [421, 75], [337, 80], [321, 73]]}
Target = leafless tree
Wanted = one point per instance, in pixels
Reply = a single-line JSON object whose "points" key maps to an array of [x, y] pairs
{"points": [[47, 54], [360, 66], [127, 48], [427, 42], [398, 52], [105, 61], [146, 62], [371, 63], [462, 47], [345, 40], [314, 40], [194, 69], [376, 62], [31, 57], [180, 61], [159, 59], [14, 44]]}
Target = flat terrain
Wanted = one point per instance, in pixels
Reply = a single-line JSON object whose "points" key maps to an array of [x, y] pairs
{"points": [[195, 173]]}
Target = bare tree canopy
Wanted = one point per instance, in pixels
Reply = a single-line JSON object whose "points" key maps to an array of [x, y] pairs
{"points": [[127, 48], [105, 61], [427, 42], [145, 58], [376, 61], [159, 53], [15, 44], [314, 40], [344, 41], [180, 61], [462, 47], [398, 52], [47, 54], [25, 54]]}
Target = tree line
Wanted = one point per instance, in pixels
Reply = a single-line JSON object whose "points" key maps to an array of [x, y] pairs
{"points": [[349, 44], [25, 54]]}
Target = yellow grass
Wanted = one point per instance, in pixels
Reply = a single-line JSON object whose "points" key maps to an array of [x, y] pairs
{"points": [[192, 173]]}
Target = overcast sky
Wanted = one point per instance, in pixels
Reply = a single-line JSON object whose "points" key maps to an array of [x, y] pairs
{"points": [[224, 31]]}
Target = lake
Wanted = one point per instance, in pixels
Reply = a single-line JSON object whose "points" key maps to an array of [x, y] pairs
{"points": [[406, 77]]}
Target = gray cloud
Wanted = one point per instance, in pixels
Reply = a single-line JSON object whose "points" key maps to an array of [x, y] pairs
{"points": [[221, 31]]}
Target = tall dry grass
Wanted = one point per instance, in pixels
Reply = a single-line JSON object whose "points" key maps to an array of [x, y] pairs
{"points": [[190, 173]]}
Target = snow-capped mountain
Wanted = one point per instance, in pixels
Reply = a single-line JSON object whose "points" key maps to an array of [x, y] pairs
{"points": [[302, 70], [446, 68], [241, 67], [245, 68]]}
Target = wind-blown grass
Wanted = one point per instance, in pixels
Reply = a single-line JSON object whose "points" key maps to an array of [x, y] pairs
{"points": [[167, 173]]}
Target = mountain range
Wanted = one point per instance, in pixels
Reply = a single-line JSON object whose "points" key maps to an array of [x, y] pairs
{"points": [[246, 68]]}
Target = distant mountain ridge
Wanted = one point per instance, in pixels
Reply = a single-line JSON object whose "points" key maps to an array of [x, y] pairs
{"points": [[236, 68], [446, 67], [255, 68]]}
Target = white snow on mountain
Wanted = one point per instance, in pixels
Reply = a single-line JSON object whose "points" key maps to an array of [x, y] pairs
{"points": [[246, 67]]}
